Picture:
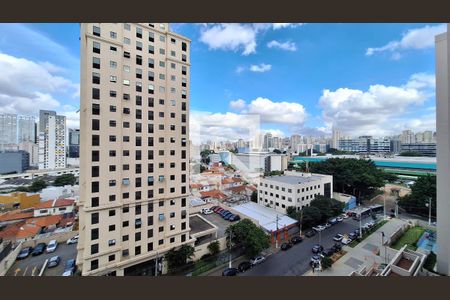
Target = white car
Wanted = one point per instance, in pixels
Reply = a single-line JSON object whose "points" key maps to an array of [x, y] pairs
{"points": [[339, 219], [68, 273], [206, 211], [51, 247], [344, 216], [72, 240], [338, 237], [346, 241], [257, 260], [319, 228]]}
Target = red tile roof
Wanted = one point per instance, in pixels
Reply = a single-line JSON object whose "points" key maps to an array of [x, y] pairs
{"points": [[15, 215], [19, 230], [45, 221], [213, 194], [55, 203]]}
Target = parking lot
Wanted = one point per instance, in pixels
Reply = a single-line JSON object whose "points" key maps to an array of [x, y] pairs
{"points": [[31, 266], [296, 261], [221, 223]]}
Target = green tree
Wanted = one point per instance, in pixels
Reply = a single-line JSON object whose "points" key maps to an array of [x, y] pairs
{"points": [[177, 258], [326, 262], [214, 248], [311, 217], [248, 236], [291, 211], [65, 179], [328, 207], [37, 185], [254, 197], [416, 202]]}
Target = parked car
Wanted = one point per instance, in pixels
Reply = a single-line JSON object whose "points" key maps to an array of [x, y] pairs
{"points": [[333, 221], [51, 247], [346, 241], [223, 213], [328, 252], [54, 261], [317, 248], [206, 211], [228, 213], [327, 225], [318, 228], [69, 267], [353, 235], [344, 216], [244, 266], [213, 208], [310, 233], [338, 237], [24, 252], [39, 249], [217, 209], [73, 240], [315, 258], [337, 247], [296, 239], [234, 218], [286, 246], [228, 216], [339, 219], [230, 272], [257, 260]]}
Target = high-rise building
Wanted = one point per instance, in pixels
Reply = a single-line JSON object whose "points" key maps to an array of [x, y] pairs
{"points": [[407, 137], [428, 136], [134, 172], [74, 143], [52, 140], [268, 141], [8, 130], [336, 136], [443, 151], [296, 140], [26, 129]]}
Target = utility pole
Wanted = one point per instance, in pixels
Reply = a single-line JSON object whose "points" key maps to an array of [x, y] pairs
{"points": [[301, 221], [320, 237], [384, 206], [231, 236], [276, 234], [360, 220]]}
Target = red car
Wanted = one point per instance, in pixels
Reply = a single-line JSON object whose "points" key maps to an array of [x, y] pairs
{"points": [[217, 209], [220, 210]]}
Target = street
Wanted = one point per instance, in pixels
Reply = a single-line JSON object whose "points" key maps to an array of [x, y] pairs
{"points": [[295, 261]]}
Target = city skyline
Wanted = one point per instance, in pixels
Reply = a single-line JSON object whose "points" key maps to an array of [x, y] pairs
{"points": [[380, 65]]}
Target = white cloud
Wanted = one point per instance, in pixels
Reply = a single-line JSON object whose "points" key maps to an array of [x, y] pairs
{"points": [[261, 68], [27, 86], [230, 37], [418, 38], [240, 69], [274, 132], [287, 113], [377, 110], [236, 36], [289, 46], [237, 104]]}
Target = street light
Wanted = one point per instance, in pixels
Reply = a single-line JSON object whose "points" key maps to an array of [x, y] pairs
{"points": [[231, 235], [429, 210], [360, 227]]}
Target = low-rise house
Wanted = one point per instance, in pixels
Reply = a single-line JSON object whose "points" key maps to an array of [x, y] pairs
{"points": [[15, 216], [54, 207], [19, 200], [215, 194]]}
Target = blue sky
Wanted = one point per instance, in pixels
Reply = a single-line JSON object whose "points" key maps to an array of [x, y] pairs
{"points": [[296, 78]]}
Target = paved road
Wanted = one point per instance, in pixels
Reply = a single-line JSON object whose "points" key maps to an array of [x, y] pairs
{"points": [[32, 265], [295, 261]]}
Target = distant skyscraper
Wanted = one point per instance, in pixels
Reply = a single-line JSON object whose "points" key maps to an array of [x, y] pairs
{"points": [[52, 140], [26, 129], [74, 143], [428, 136], [336, 136], [268, 140], [407, 137], [296, 140], [8, 130]]}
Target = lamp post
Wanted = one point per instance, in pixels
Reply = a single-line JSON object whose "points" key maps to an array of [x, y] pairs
{"points": [[231, 235], [360, 227], [276, 234], [429, 211]]}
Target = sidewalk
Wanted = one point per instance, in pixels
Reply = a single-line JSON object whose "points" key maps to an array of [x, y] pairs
{"points": [[364, 254]]}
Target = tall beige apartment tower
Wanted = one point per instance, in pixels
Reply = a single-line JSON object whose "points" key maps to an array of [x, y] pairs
{"points": [[134, 150], [442, 42]]}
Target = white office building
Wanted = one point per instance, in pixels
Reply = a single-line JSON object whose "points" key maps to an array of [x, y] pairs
{"points": [[293, 189], [52, 140]]}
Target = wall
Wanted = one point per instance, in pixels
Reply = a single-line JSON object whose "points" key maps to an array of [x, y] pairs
{"points": [[22, 198], [59, 237], [202, 249], [6, 263]]}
